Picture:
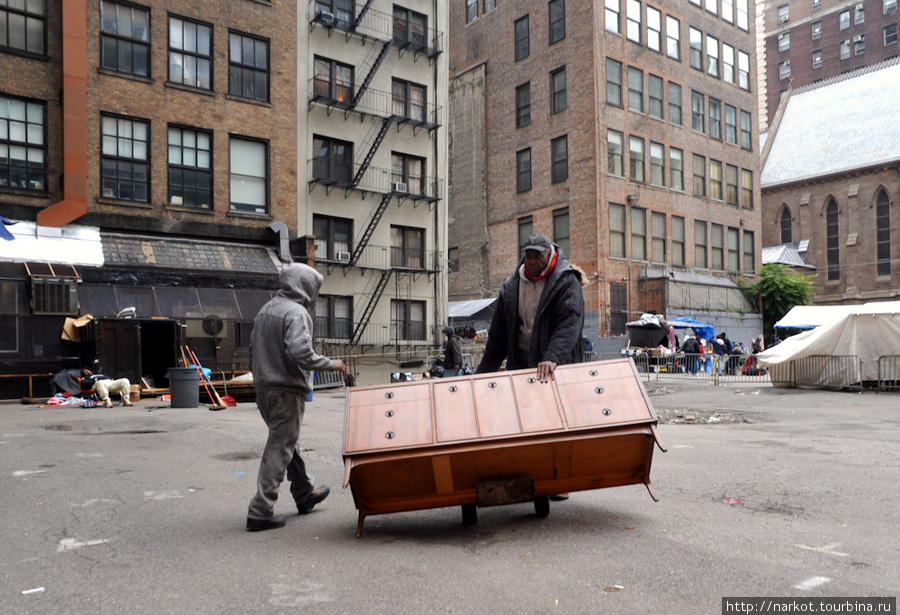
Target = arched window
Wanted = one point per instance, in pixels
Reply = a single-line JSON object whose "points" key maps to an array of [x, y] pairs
{"points": [[883, 224], [833, 243], [786, 225]]}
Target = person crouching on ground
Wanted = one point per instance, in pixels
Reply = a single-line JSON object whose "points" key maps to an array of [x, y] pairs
{"points": [[281, 357], [104, 385]]}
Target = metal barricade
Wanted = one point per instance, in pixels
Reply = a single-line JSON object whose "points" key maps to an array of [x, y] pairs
{"points": [[889, 373], [828, 371]]}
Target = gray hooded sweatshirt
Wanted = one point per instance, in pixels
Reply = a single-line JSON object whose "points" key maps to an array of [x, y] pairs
{"points": [[281, 346]]}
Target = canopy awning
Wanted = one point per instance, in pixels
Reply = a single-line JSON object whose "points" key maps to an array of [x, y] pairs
{"points": [[465, 309]]}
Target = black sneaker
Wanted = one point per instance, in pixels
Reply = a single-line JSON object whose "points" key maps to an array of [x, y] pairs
{"points": [[305, 506], [259, 525]]}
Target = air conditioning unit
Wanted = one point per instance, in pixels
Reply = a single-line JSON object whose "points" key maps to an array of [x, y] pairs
{"points": [[400, 187], [859, 38], [327, 19], [342, 256], [783, 18]]}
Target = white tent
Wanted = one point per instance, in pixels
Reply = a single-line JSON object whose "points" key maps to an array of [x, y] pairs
{"points": [[866, 331]]}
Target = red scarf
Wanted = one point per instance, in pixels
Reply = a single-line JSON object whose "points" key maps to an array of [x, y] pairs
{"points": [[546, 271]]}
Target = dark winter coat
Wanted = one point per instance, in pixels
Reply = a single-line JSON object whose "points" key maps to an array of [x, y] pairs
{"points": [[452, 354], [558, 322]]}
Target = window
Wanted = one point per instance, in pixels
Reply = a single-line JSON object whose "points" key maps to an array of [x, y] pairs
{"points": [[333, 80], [559, 158], [859, 14], [859, 44], [521, 38], [890, 35], [746, 142], [674, 104], [654, 29], [700, 242], [727, 63], [124, 159], [844, 20], [615, 153], [832, 241], [333, 161], [190, 53], [715, 179], [730, 125], [749, 253], [23, 26], [613, 82], [656, 96], [747, 188], [673, 38], [333, 238], [633, 20], [636, 159], [676, 168], [616, 231], [557, 10], [635, 90], [410, 29], [23, 146], [523, 170], [526, 230], [696, 43], [334, 317], [786, 236], [744, 70], [734, 249], [453, 260], [407, 320], [471, 10], [657, 164], [12, 294], [715, 119], [698, 120], [784, 13], [52, 292], [712, 6], [717, 247], [248, 67], [883, 232], [343, 11], [124, 38], [409, 170], [249, 175], [561, 230], [731, 185], [618, 308], [816, 5], [407, 247], [558, 91], [489, 5], [784, 41], [699, 175], [784, 69], [408, 100], [190, 167], [638, 234], [611, 16], [889, 6], [817, 59], [678, 241], [658, 237], [845, 49], [728, 10], [743, 15], [816, 30], [712, 55], [523, 105]]}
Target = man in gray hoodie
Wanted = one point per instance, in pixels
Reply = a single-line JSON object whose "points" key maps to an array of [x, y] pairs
{"points": [[281, 357]]}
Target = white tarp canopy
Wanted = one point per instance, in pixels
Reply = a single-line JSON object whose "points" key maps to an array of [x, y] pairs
{"points": [[72, 244], [866, 331], [812, 316], [464, 309]]}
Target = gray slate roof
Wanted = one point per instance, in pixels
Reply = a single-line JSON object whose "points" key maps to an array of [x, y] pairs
{"points": [[785, 254], [845, 123]]}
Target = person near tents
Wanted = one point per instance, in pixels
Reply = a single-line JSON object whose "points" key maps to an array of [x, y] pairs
{"points": [[452, 362], [104, 385]]}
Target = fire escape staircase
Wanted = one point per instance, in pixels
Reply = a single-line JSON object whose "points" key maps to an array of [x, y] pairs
{"points": [[376, 64], [370, 228], [370, 307]]}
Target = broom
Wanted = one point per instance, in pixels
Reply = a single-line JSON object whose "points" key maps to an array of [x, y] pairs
{"points": [[217, 401], [223, 402]]}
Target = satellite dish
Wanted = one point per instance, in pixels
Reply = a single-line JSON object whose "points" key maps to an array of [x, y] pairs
{"points": [[212, 325]]}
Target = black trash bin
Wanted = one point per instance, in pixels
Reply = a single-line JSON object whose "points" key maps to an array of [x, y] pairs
{"points": [[184, 386]]}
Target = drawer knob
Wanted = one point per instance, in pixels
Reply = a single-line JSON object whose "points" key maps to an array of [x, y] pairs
{"points": [[607, 412], [389, 394], [492, 385], [593, 372], [598, 390], [531, 380], [389, 413], [453, 389], [389, 435]]}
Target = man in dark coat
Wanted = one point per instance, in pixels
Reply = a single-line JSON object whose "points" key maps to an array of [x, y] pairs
{"points": [[539, 314], [452, 353]]}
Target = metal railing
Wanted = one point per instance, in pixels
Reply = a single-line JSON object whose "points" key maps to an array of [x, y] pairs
{"points": [[329, 172], [889, 373], [376, 102], [392, 257]]}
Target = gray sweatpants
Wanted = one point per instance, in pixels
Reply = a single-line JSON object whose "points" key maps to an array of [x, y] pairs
{"points": [[283, 412]]}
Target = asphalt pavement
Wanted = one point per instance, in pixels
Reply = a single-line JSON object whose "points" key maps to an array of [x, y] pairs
{"points": [[763, 492]]}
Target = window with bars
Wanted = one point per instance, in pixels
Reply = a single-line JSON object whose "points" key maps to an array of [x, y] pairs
{"points": [[334, 317], [407, 247], [23, 26], [410, 29], [343, 11], [124, 158], [23, 146], [190, 167], [334, 238], [248, 66], [333, 160], [125, 38], [332, 80], [408, 100], [409, 170], [190, 53], [407, 320]]}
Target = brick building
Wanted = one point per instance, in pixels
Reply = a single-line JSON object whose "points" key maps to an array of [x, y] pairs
{"points": [[626, 132], [830, 181], [147, 153], [810, 41]]}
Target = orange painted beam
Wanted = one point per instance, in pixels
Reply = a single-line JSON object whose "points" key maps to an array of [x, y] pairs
{"points": [[74, 61]]}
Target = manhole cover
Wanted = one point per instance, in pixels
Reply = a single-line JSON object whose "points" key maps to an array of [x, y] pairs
{"points": [[238, 456]]}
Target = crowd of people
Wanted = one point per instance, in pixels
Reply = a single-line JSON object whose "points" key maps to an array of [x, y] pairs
{"points": [[729, 357]]}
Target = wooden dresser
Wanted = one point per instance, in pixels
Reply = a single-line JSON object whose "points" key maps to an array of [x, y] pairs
{"points": [[497, 438]]}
